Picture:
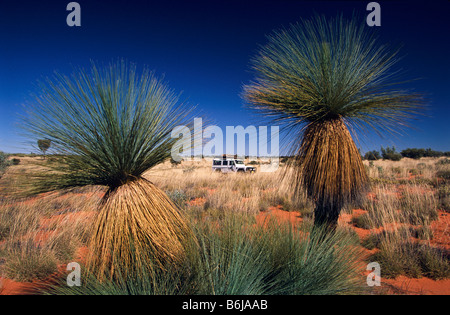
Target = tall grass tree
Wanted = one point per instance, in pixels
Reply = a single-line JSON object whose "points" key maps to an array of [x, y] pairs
{"points": [[109, 125], [325, 80]]}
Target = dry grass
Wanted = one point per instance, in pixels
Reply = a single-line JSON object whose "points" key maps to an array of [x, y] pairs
{"points": [[38, 235], [198, 188], [424, 169], [403, 207]]}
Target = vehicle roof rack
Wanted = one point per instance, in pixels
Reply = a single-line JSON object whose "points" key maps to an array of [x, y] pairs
{"points": [[229, 156]]}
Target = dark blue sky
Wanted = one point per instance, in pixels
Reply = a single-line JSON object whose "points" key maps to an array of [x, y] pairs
{"points": [[203, 49]]}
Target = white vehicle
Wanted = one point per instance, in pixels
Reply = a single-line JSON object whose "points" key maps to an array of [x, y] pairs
{"points": [[231, 165]]}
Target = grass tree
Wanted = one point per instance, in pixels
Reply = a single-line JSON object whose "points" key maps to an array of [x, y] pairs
{"points": [[324, 78], [110, 125]]}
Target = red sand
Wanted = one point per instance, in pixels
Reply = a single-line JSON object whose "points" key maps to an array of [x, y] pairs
{"points": [[422, 286], [197, 201], [279, 215], [11, 287], [441, 231]]}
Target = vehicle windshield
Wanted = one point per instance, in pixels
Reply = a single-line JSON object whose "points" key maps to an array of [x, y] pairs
{"points": [[239, 162]]}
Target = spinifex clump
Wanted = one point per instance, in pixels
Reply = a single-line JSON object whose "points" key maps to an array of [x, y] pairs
{"points": [[318, 78], [110, 126]]}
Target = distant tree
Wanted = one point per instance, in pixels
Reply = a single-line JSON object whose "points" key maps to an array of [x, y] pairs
{"points": [[432, 153], [44, 145], [390, 154], [413, 153], [372, 155], [419, 153], [4, 163]]}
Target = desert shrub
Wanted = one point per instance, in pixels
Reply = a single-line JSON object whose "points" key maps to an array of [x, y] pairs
{"points": [[155, 282], [419, 153], [4, 163], [372, 155], [423, 232], [443, 162], [413, 153], [243, 188], [390, 154], [371, 242], [374, 240], [414, 171], [311, 265], [189, 169], [17, 219], [381, 211], [27, 260], [263, 204], [174, 163], [6, 219], [415, 207], [31, 246], [288, 202], [234, 256], [15, 161], [444, 174], [367, 169], [421, 166], [412, 259], [418, 207], [380, 170], [52, 160], [443, 195], [177, 196], [363, 221], [63, 246], [225, 263]]}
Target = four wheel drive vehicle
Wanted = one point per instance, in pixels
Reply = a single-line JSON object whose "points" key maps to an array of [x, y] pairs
{"points": [[231, 165]]}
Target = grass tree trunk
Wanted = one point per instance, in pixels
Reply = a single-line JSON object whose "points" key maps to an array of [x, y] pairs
{"points": [[332, 169], [138, 230]]}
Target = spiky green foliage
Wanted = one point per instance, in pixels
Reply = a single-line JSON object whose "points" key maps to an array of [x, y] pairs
{"points": [[234, 256], [320, 77], [109, 126]]}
